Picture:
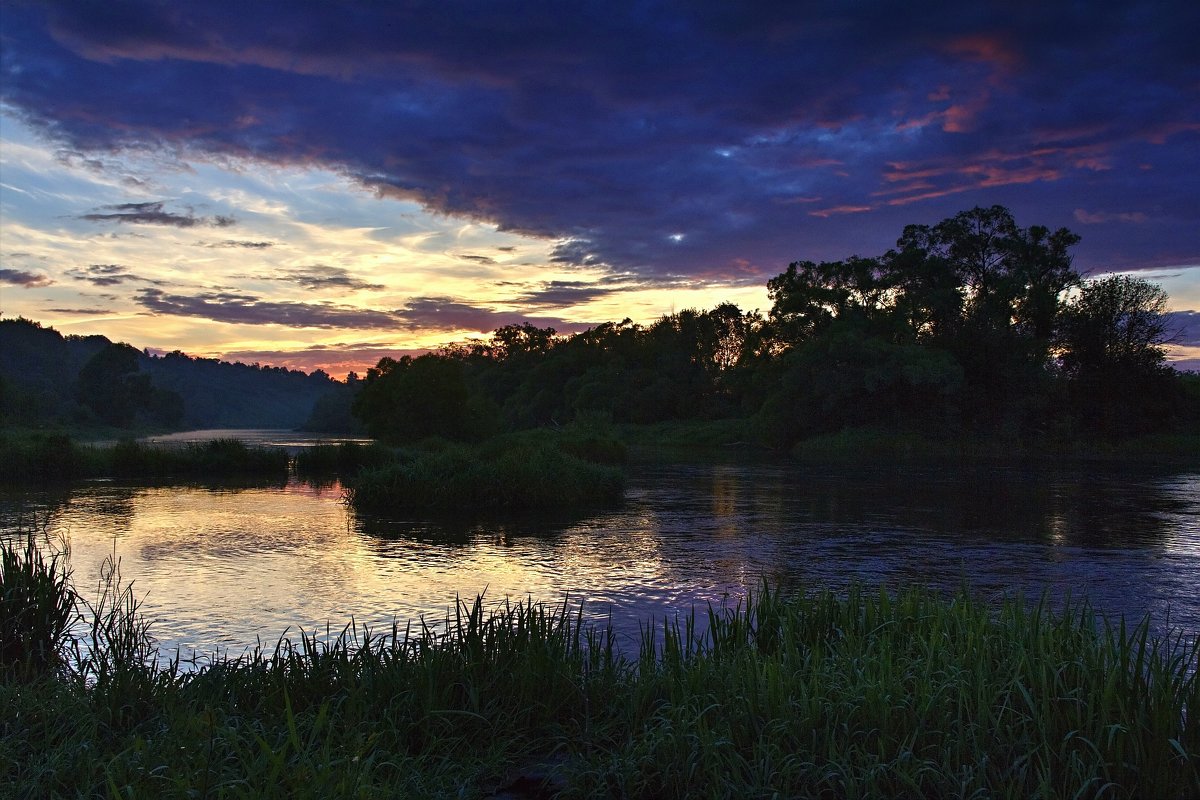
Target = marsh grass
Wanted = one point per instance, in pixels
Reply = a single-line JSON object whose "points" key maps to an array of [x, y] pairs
{"points": [[344, 459], [861, 695], [55, 457], [517, 473], [37, 605]]}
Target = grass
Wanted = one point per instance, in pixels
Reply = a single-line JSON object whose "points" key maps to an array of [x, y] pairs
{"points": [[861, 695], [37, 607], [56, 457], [344, 459], [530, 471]]}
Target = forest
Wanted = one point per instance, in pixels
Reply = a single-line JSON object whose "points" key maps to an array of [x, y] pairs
{"points": [[973, 327], [47, 379]]}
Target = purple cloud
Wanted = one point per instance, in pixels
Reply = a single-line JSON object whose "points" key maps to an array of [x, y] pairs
{"points": [[448, 314], [107, 275], [246, 309], [320, 276], [26, 280]]}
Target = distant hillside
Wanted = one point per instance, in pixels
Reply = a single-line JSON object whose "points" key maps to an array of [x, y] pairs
{"points": [[40, 383]]}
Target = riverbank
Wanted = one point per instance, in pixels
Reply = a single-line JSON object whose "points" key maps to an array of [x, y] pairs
{"points": [[814, 695], [724, 437], [50, 458]]}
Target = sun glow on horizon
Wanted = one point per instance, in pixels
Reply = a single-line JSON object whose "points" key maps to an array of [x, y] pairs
{"points": [[297, 266]]}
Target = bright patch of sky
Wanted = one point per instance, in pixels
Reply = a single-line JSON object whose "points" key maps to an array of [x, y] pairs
{"points": [[196, 235]]}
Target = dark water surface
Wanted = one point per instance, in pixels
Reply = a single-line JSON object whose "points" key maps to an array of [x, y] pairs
{"points": [[221, 566]]}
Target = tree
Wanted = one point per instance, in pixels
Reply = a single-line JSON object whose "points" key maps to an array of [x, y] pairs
{"points": [[112, 386], [415, 398], [1111, 341], [808, 297], [1114, 323], [989, 292]]}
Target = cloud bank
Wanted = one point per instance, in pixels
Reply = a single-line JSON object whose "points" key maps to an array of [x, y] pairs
{"points": [[662, 138]]}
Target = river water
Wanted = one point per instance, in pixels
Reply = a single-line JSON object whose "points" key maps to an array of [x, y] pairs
{"points": [[223, 566]]}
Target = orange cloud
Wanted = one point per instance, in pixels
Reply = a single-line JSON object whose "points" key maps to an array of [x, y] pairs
{"points": [[983, 48]]}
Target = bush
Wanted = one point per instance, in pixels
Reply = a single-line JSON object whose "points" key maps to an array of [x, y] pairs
{"points": [[345, 459], [509, 474]]}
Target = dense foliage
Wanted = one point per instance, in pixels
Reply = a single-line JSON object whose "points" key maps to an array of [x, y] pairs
{"points": [[974, 327]]}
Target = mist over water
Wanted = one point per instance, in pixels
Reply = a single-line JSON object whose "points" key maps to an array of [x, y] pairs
{"points": [[225, 566]]}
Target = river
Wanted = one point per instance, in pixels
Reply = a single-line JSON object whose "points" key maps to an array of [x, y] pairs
{"points": [[223, 566]]}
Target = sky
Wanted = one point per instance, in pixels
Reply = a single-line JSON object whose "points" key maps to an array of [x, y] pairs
{"points": [[319, 184]]}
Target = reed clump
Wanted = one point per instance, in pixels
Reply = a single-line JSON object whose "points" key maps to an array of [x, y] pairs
{"points": [[517, 473], [344, 458], [865, 694], [38, 605]]}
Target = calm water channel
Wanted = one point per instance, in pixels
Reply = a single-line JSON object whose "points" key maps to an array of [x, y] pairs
{"points": [[222, 566]]}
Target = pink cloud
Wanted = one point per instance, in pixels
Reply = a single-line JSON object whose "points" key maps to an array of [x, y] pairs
{"points": [[835, 210]]}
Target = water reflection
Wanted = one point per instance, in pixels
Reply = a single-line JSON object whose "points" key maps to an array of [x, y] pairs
{"points": [[222, 565]]}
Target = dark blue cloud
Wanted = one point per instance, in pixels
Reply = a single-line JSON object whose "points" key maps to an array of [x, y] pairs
{"points": [[710, 139]]}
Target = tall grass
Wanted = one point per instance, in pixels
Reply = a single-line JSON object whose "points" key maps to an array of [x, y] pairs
{"points": [[510, 474], [37, 606], [55, 457], [345, 458], [862, 695]]}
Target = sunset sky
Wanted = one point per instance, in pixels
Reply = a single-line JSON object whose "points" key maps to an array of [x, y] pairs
{"points": [[321, 184]]}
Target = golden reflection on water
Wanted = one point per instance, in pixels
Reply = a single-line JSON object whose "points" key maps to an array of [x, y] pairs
{"points": [[227, 565]]}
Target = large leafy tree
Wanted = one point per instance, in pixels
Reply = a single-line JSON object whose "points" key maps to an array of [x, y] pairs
{"points": [[410, 399], [976, 286], [1111, 339]]}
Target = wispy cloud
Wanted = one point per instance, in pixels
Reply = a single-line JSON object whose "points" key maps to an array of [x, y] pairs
{"points": [[154, 213], [251, 310], [450, 314], [246, 245], [107, 275], [320, 276], [1103, 217]]}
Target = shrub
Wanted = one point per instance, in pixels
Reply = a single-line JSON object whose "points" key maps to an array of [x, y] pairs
{"points": [[509, 475]]}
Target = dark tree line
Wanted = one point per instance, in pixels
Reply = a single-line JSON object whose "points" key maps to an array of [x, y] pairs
{"points": [[973, 326], [48, 379]]}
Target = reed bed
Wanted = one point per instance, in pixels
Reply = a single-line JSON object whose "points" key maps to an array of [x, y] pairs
{"points": [[860, 695], [506, 474], [344, 459], [55, 457]]}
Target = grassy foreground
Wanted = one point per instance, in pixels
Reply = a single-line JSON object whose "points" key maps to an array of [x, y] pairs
{"points": [[860, 696]]}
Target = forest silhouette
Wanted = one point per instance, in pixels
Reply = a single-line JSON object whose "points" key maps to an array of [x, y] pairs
{"points": [[973, 327]]}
